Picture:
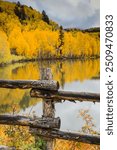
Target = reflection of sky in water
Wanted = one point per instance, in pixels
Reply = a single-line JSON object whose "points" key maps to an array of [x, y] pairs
{"points": [[68, 111], [84, 86], [64, 72]]}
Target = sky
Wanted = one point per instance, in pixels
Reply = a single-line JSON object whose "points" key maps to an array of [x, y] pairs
{"points": [[69, 13]]}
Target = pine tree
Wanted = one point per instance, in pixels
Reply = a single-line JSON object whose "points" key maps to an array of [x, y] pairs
{"points": [[1, 10], [20, 11], [45, 17], [61, 39], [18, 4]]}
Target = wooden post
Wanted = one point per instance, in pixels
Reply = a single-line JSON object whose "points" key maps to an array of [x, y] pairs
{"points": [[48, 105]]}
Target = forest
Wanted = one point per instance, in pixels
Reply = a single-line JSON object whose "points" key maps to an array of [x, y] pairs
{"points": [[26, 34]]}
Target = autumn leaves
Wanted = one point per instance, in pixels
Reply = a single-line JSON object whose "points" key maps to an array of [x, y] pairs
{"points": [[45, 43], [32, 37]]}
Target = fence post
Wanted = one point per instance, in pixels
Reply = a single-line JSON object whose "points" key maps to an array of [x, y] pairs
{"points": [[48, 105]]}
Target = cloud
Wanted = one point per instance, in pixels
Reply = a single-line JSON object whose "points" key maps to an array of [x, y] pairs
{"points": [[69, 13]]}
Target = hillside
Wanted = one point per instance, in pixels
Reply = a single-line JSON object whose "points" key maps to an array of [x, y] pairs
{"points": [[28, 34], [23, 15]]}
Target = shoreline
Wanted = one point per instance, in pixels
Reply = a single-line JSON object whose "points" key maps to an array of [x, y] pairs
{"points": [[48, 59]]}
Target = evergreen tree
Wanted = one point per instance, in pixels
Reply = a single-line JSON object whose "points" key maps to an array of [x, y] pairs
{"points": [[45, 17], [20, 11], [1, 10], [61, 39], [18, 4], [23, 14]]}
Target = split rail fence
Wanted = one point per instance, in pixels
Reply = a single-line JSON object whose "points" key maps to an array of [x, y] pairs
{"points": [[48, 126]]}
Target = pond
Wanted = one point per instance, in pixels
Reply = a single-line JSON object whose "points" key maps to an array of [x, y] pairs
{"points": [[73, 75]]}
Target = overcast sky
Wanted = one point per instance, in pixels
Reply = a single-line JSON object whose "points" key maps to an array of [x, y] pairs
{"points": [[69, 13]]}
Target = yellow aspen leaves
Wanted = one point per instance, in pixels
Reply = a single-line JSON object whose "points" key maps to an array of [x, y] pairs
{"points": [[32, 37], [4, 48]]}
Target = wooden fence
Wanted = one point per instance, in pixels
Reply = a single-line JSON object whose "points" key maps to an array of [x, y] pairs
{"points": [[48, 126]]}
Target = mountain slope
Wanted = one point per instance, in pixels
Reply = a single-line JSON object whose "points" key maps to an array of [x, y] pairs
{"points": [[28, 34], [22, 15]]}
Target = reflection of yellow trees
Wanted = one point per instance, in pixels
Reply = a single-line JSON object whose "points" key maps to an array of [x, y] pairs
{"points": [[64, 72], [76, 70], [71, 70], [21, 98], [29, 71]]}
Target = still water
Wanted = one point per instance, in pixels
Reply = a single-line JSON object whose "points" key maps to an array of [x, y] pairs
{"points": [[81, 76]]}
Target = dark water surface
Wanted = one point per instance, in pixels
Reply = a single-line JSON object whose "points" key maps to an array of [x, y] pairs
{"points": [[72, 75]]}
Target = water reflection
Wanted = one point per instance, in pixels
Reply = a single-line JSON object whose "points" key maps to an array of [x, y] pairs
{"points": [[72, 75], [63, 71], [68, 111]]}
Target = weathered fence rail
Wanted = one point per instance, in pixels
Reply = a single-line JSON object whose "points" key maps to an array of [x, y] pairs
{"points": [[31, 122], [48, 89], [85, 138], [48, 126], [65, 95], [26, 84]]}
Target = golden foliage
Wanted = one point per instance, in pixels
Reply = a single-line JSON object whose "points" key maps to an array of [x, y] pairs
{"points": [[19, 137], [80, 44], [43, 44], [86, 128], [89, 124], [70, 145], [4, 48], [16, 136], [34, 38]]}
